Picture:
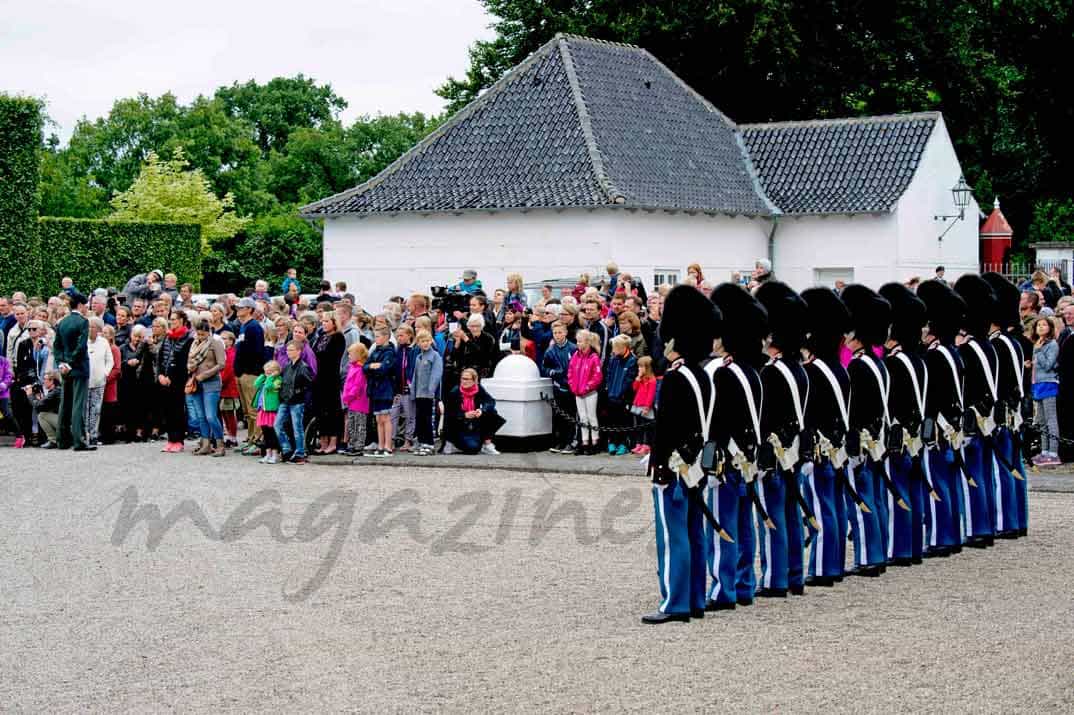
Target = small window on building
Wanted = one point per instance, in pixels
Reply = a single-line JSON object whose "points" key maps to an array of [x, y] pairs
{"points": [[827, 277], [665, 275]]}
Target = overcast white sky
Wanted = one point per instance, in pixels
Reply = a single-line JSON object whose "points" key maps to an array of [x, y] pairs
{"points": [[380, 55]]}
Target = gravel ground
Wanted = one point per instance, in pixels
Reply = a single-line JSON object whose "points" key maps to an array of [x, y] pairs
{"points": [[461, 589]]}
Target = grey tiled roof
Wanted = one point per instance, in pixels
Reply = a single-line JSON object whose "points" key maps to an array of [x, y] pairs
{"points": [[838, 166], [580, 123]]}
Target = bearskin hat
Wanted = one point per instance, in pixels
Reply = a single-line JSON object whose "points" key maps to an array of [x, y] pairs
{"points": [[786, 315], [827, 320], [745, 320], [692, 321], [945, 309], [981, 303], [908, 314], [870, 314], [1007, 297]]}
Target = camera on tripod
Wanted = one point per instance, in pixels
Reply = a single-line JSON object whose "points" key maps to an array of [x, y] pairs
{"points": [[448, 301]]}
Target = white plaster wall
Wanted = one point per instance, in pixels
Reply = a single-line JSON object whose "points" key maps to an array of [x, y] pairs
{"points": [[865, 243], [929, 194], [381, 256]]}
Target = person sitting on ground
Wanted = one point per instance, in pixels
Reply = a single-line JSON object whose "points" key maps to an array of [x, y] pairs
{"points": [[470, 417], [45, 400]]}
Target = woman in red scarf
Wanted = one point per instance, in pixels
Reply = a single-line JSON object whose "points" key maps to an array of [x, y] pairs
{"points": [[172, 376], [470, 418]]}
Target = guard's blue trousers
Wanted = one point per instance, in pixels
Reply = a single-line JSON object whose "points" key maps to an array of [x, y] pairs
{"points": [[916, 496], [1009, 489], [680, 549], [979, 499], [795, 533], [773, 542], [865, 528], [842, 522], [731, 563], [942, 516], [900, 522], [882, 500], [822, 490]]}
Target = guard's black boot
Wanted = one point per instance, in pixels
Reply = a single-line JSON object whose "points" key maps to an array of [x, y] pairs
{"points": [[771, 593], [821, 581], [716, 606], [656, 618]]}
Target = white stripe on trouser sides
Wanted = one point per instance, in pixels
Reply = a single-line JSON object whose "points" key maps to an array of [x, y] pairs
{"points": [[667, 546], [891, 514], [716, 546], [863, 554], [766, 576], [967, 517], [999, 494], [932, 502], [818, 550]]}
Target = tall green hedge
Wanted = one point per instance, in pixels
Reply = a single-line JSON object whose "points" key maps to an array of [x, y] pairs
{"points": [[20, 139], [100, 253]]}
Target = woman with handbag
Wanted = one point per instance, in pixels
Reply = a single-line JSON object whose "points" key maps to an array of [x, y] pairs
{"points": [[206, 360], [172, 377]]}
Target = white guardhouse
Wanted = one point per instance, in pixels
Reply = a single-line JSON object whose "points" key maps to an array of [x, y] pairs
{"points": [[591, 151]]}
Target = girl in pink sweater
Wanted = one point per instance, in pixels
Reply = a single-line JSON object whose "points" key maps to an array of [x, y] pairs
{"points": [[356, 398], [644, 399], [584, 378]]}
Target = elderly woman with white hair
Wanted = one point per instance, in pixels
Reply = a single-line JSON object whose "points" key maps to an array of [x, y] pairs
{"points": [[101, 364], [471, 347], [135, 383]]}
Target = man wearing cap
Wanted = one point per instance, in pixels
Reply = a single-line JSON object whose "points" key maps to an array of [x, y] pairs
{"points": [[980, 394], [785, 388], [1011, 488], [942, 427], [870, 316], [70, 349], [828, 420], [737, 432], [249, 362], [906, 408], [469, 284], [683, 417]]}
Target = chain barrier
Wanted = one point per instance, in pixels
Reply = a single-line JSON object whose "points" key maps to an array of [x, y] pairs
{"points": [[643, 423]]}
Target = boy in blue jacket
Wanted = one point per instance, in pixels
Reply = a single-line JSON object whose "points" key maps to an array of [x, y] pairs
{"points": [[554, 365], [380, 374], [619, 391], [406, 356]]}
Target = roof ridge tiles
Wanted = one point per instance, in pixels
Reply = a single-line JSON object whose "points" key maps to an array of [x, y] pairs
{"points": [[870, 119]]}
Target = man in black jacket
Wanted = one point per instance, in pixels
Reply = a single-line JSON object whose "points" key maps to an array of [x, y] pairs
{"points": [[70, 349], [870, 316], [690, 325], [785, 388], [736, 430], [942, 431], [906, 408], [249, 363], [828, 421], [980, 394]]}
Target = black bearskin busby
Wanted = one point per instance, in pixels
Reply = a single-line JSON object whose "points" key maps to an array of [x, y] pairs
{"points": [[981, 303], [1007, 297], [745, 322], [870, 314], [692, 321], [945, 309], [827, 321], [787, 316], [908, 314]]}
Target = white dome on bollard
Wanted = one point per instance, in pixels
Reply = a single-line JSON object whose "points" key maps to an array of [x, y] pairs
{"points": [[517, 387]]}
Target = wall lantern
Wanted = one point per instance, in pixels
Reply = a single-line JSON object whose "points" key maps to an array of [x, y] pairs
{"points": [[960, 192]]}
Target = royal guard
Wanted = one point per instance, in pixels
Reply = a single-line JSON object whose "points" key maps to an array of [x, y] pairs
{"points": [[942, 427], [785, 388], [737, 433], [689, 325], [828, 421], [980, 392], [906, 409], [1011, 489], [870, 317]]}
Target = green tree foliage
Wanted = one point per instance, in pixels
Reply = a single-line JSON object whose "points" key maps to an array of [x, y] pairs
{"points": [[169, 191], [989, 66], [1053, 220], [21, 120], [270, 245]]}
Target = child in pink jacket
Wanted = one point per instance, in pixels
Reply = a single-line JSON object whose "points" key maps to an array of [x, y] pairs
{"points": [[584, 378], [356, 398]]}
